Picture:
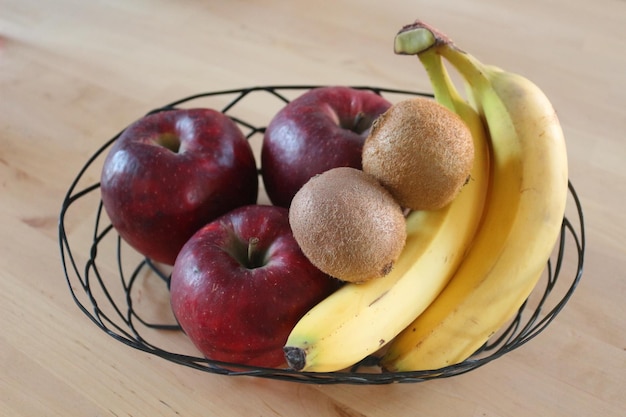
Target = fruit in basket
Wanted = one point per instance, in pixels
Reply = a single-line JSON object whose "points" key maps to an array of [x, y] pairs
{"points": [[322, 129], [241, 282], [170, 173], [522, 218], [421, 151], [348, 225], [359, 320]]}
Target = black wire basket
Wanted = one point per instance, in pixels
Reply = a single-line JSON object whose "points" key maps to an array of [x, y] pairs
{"points": [[126, 295]]}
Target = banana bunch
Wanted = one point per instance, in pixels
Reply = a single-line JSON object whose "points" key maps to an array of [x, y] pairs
{"points": [[522, 216], [359, 319], [467, 268]]}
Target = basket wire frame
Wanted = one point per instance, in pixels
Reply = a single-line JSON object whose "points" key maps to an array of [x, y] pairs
{"points": [[93, 290]]}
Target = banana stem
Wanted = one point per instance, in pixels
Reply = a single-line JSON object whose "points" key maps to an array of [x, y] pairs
{"points": [[426, 42], [474, 72], [445, 92], [418, 37], [422, 39]]}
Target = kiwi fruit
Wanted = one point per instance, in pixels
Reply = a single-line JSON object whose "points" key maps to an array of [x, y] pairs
{"points": [[348, 225], [421, 152]]}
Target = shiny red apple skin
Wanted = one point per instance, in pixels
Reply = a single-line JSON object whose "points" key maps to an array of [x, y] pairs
{"points": [[323, 128], [170, 173], [238, 310]]}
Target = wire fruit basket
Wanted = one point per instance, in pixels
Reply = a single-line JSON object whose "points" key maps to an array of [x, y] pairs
{"points": [[126, 295]]}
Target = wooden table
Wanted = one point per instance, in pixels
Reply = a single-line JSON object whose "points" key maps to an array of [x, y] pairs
{"points": [[73, 73]]}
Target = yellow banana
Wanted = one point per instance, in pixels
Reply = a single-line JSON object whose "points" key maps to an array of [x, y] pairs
{"points": [[522, 218], [358, 319]]}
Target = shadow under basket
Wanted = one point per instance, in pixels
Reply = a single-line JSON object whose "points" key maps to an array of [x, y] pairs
{"points": [[126, 295]]}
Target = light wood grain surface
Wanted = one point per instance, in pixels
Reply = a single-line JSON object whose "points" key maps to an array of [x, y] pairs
{"points": [[74, 72]]}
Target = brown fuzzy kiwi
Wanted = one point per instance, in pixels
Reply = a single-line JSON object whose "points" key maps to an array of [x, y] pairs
{"points": [[348, 225], [421, 152]]}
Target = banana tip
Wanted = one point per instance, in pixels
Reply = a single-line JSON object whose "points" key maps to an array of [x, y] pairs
{"points": [[295, 357]]}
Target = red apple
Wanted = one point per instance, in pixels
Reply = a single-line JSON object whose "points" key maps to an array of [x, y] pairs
{"points": [[240, 284], [170, 173], [323, 128]]}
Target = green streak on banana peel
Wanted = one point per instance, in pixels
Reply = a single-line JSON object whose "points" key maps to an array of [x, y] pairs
{"points": [[417, 37]]}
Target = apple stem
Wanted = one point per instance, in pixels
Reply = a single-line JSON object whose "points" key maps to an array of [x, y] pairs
{"points": [[252, 244], [357, 121]]}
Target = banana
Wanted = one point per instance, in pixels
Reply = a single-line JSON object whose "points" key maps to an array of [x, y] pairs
{"points": [[359, 319], [522, 219]]}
